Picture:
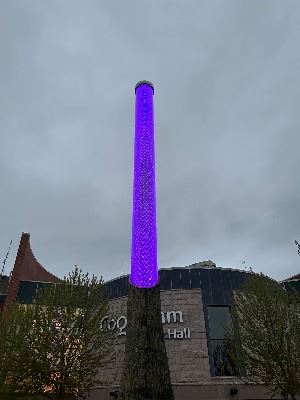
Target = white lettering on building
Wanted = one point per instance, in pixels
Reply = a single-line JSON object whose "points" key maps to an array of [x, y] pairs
{"points": [[167, 317], [178, 334]]}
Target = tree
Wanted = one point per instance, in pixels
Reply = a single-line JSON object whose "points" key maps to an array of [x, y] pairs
{"points": [[11, 342], [62, 344], [266, 321], [225, 354]]}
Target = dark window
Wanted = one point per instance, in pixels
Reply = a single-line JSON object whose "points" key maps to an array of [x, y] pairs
{"points": [[28, 290], [218, 317], [219, 348]]}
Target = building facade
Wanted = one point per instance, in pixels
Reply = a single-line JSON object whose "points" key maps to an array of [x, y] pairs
{"points": [[195, 308]]}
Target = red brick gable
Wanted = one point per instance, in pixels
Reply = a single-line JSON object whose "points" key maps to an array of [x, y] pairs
{"points": [[26, 268]]}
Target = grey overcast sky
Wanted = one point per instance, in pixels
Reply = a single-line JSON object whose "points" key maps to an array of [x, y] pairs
{"points": [[227, 97]]}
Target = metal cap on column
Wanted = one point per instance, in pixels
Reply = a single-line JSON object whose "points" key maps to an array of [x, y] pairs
{"points": [[144, 270]]}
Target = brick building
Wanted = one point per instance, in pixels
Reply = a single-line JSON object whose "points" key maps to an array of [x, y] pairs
{"points": [[27, 275]]}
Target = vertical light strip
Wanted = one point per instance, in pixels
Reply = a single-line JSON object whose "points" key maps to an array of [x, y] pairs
{"points": [[144, 272]]}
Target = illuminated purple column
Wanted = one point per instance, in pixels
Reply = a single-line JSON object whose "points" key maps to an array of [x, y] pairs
{"points": [[144, 273]]}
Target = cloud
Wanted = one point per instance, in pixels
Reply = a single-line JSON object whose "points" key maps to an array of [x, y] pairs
{"points": [[226, 113]]}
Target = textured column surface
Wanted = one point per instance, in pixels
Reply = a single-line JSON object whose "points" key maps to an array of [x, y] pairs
{"points": [[146, 374], [144, 273]]}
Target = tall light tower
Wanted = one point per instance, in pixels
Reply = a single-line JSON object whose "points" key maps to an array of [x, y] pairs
{"points": [[144, 273], [146, 374]]}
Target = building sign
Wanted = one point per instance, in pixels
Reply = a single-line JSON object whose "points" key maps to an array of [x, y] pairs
{"points": [[167, 317]]}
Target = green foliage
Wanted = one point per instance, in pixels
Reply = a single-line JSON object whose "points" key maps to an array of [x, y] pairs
{"points": [[226, 353], [266, 320], [56, 343], [11, 338]]}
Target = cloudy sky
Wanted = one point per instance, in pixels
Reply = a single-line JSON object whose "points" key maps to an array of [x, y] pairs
{"points": [[227, 97]]}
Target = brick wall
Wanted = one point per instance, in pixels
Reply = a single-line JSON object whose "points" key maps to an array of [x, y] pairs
{"points": [[188, 357]]}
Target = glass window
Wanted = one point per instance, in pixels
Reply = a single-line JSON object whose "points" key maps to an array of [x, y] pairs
{"points": [[27, 292], [219, 349], [219, 318]]}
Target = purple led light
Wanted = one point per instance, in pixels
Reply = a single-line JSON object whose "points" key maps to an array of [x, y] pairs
{"points": [[144, 271]]}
